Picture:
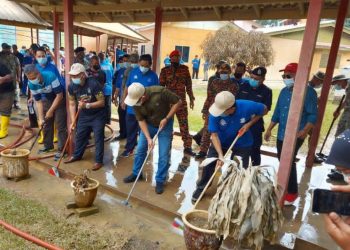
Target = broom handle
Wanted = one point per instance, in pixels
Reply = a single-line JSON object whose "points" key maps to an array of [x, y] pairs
{"points": [[68, 138], [217, 169], [330, 128]]}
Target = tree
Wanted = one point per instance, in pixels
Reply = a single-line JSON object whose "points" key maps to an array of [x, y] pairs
{"points": [[232, 45]]}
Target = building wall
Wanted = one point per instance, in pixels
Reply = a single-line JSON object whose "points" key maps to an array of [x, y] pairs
{"points": [[90, 43]]}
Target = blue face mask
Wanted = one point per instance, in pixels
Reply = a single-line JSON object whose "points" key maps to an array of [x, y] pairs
{"points": [[134, 65], [338, 87], [144, 70], [126, 64], [224, 77], [76, 81], [253, 83], [42, 60], [289, 82], [35, 81]]}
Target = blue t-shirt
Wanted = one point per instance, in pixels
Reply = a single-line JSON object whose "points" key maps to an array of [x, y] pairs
{"points": [[108, 69], [280, 114], [243, 80], [48, 89], [49, 67], [167, 61], [147, 80], [118, 80], [196, 63], [227, 127]]}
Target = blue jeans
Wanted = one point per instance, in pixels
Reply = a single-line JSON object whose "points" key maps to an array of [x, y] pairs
{"points": [[164, 146], [132, 131]]}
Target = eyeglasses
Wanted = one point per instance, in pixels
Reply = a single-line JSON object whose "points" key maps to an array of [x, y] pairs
{"points": [[287, 76]]}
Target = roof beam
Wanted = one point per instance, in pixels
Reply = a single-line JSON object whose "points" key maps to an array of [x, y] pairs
{"points": [[184, 12], [108, 17], [131, 15], [218, 12], [257, 10]]}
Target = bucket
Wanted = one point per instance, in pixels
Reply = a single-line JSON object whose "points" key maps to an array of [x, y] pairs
{"points": [[15, 163], [198, 238], [87, 197]]}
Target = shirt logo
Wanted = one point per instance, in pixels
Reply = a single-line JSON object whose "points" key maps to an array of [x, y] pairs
{"points": [[149, 80], [135, 77], [242, 120], [223, 122]]}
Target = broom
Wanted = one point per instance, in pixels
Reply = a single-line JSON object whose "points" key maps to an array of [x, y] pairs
{"points": [[54, 170]]}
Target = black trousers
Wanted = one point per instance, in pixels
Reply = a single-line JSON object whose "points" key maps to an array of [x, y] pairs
{"points": [[122, 122], [255, 153], [195, 73], [108, 108], [293, 182], [209, 169]]}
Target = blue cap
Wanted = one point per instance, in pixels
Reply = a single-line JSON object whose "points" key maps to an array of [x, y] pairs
{"points": [[340, 151]]}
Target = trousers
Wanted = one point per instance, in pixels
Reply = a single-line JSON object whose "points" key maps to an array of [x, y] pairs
{"points": [[182, 117]]}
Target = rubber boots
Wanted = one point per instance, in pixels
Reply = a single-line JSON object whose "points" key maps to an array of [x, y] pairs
{"points": [[55, 138], [5, 121], [41, 138]]}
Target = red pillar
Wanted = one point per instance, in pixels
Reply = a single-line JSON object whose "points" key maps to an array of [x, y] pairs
{"points": [[68, 47], [31, 35], [157, 37], [56, 36], [342, 11], [297, 102]]}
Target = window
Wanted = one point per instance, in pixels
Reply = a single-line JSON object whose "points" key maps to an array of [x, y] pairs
{"points": [[185, 52], [324, 60], [46, 37], [7, 34], [143, 49]]}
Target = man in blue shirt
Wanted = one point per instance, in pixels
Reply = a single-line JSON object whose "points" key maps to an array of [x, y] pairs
{"points": [[167, 61], [195, 67], [256, 91], [107, 67], [144, 75], [227, 118], [48, 95], [240, 69], [280, 116]]}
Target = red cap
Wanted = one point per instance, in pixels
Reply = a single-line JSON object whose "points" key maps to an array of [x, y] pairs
{"points": [[174, 53], [291, 67]]}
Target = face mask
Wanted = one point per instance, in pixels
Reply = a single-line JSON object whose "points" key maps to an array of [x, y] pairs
{"points": [[76, 81], [144, 70], [42, 60], [346, 178], [96, 67], [253, 83], [288, 82], [338, 87], [175, 64], [224, 77], [134, 65], [35, 81], [126, 64], [238, 75]]}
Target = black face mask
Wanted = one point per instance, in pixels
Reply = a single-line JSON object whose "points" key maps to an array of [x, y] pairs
{"points": [[175, 64], [238, 75], [96, 67]]}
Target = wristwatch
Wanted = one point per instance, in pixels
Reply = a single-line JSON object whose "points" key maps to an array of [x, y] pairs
{"points": [[88, 105]]}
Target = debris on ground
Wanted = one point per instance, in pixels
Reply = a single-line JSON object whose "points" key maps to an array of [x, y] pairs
{"points": [[245, 207], [81, 182]]}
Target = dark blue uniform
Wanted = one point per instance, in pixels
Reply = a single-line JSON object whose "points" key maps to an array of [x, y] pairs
{"points": [[261, 94]]}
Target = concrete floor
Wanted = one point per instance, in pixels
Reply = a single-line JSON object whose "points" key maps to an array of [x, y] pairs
{"points": [[300, 222]]}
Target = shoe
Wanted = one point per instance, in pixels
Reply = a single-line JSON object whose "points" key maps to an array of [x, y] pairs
{"points": [[196, 195], [16, 106], [289, 199], [97, 166], [132, 178], [45, 150], [159, 188], [126, 153], [197, 138], [41, 138], [335, 176], [58, 155], [318, 160], [72, 159], [55, 139], [5, 121], [200, 155], [189, 151]]}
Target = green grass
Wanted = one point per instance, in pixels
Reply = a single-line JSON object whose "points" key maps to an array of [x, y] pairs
{"points": [[32, 217]]}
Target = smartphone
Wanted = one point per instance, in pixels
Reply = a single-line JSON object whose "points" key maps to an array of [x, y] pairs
{"points": [[326, 201]]}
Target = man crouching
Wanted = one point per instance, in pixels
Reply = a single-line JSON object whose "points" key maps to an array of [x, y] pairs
{"points": [[154, 109]]}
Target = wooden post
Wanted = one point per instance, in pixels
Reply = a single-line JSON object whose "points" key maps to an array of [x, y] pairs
{"points": [[97, 44], [343, 7], [31, 35], [37, 36], [56, 36], [298, 97], [157, 37], [68, 47]]}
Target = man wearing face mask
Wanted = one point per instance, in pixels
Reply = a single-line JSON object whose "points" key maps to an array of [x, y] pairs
{"points": [[144, 75], [80, 57], [338, 227], [154, 108], [227, 118], [317, 80], [341, 82], [256, 91], [177, 78], [88, 93], [48, 95], [96, 71], [280, 116], [6, 99], [240, 69], [224, 83]]}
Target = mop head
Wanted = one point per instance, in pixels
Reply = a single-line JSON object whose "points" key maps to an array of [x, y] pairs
{"points": [[245, 207]]}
